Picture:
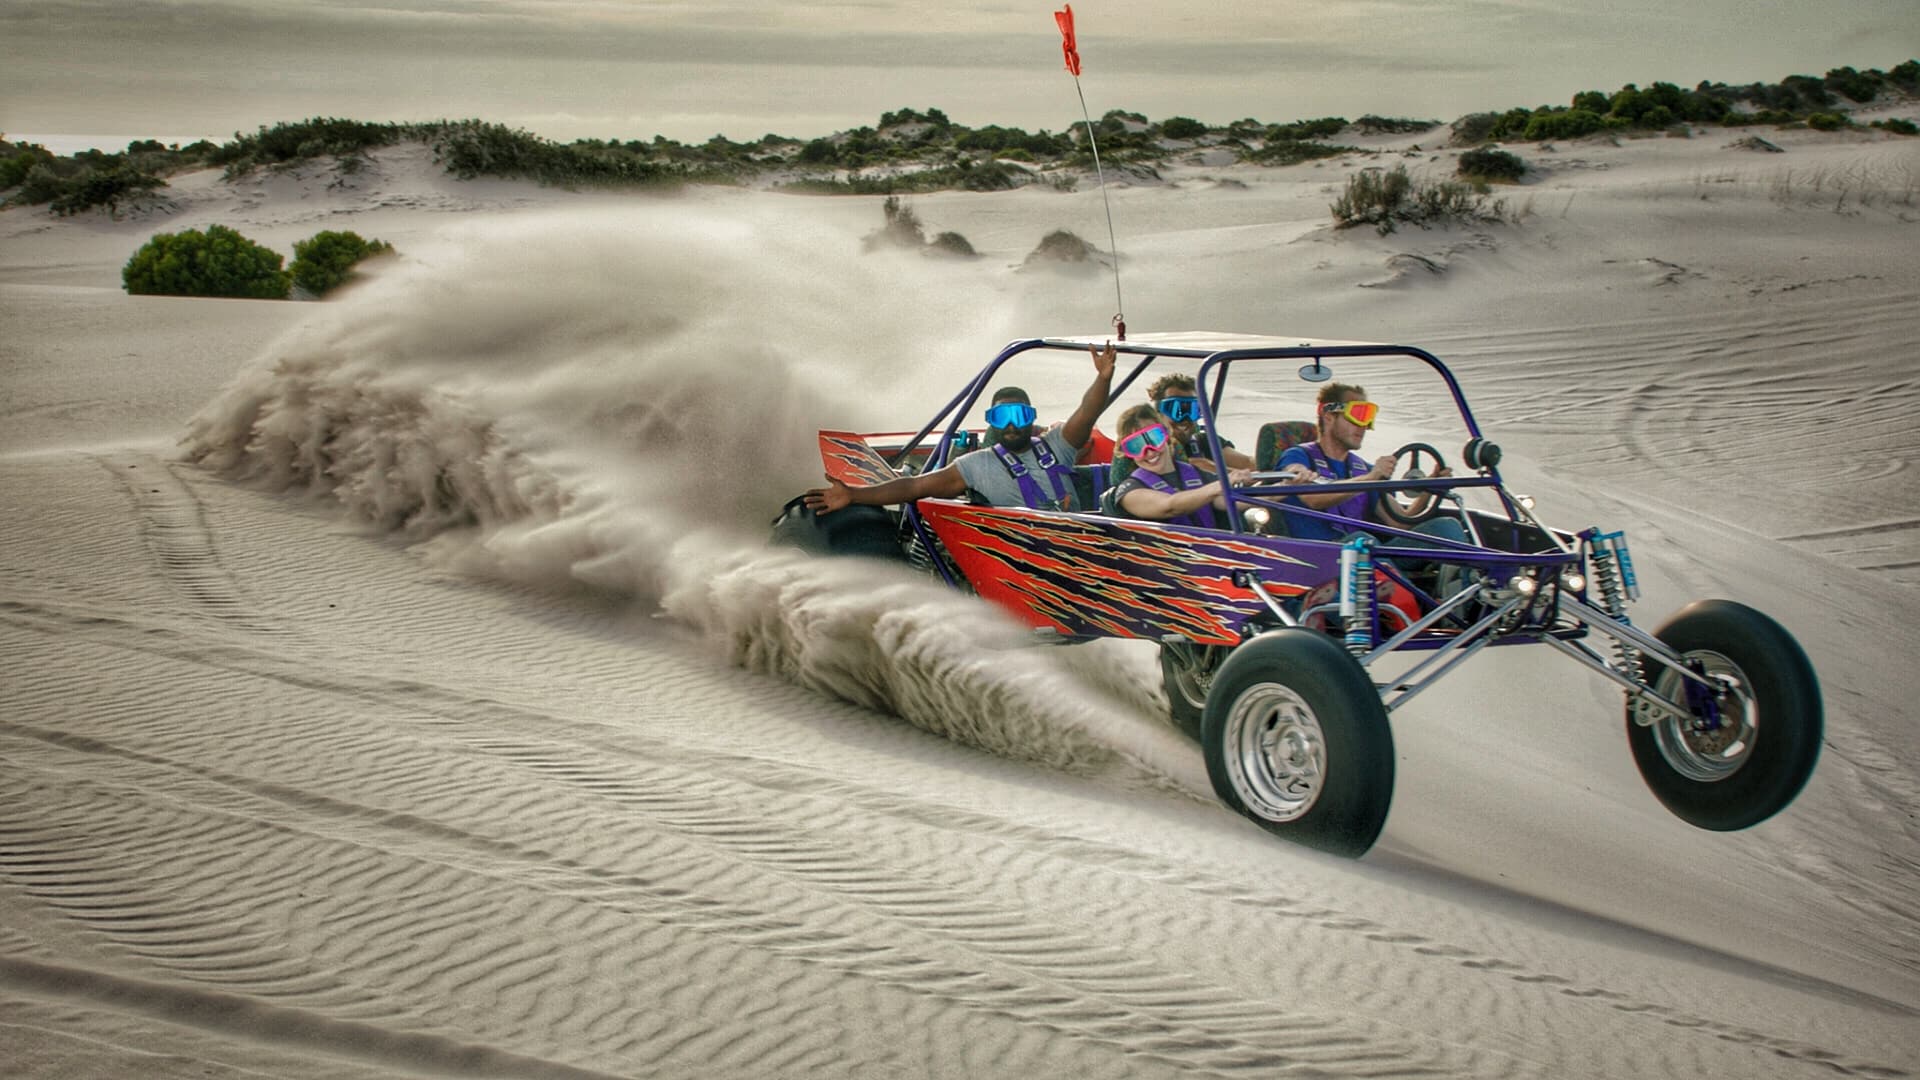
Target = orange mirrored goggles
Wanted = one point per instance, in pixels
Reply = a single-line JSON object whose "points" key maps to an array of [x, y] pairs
{"points": [[1361, 413]]}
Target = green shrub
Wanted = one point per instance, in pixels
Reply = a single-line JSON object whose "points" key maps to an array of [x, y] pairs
{"points": [[1392, 125], [104, 181], [104, 188], [40, 185], [1373, 197], [1487, 163], [1592, 101], [218, 262], [1824, 121], [1474, 128], [1324, 128], [1181, 127], [325, 261], [19, 161], [1857, 86], [1295, 151], [1384, 198], [1561, 124], [951, 243], [1810, 89], [312, 138], [471, 149], [1898, 126]]}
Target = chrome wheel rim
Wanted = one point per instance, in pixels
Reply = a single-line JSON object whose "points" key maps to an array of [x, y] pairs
{"points": [[1703, 753], [1276, 752]]}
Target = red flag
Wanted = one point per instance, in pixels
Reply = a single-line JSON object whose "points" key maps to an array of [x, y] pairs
{"points": [[1067, 45]]}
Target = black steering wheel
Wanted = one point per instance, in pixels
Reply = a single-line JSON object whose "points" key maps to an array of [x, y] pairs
{"points": [[1403, 508]]}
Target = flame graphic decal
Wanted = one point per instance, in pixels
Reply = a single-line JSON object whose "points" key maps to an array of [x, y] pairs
{"points": [[851, 461], [1111, 577]]}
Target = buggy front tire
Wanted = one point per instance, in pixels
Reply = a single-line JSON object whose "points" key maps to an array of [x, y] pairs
{"points": [[1295, 738], [1746, 765]]}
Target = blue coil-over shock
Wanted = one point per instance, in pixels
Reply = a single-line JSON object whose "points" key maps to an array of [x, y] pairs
{"points": [[1356, 593], [1610, 566]]}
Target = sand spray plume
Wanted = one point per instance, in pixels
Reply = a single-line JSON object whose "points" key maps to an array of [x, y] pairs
{"points": [[558, 402]]}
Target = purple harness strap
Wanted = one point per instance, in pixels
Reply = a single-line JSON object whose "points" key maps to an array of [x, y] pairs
{"points": [[1059, 475], [1189, 478], [1359, 503]]}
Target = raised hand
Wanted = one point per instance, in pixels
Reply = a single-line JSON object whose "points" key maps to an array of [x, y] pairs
{"points": [[1103, 360]]}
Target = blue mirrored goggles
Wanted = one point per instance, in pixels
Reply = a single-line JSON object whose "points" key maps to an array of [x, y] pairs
{"points": [[1178, 409], [1011, 414]]}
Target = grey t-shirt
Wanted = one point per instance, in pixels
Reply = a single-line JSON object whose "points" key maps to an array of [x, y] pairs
{"points": [[986, 474]]}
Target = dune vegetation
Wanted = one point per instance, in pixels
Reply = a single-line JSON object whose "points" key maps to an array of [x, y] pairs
{"points": [[911, 150]]}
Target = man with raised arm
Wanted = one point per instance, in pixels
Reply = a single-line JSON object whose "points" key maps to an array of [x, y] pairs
{"points": [[1022, 466]]}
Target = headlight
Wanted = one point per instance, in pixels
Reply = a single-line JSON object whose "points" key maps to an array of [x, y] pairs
{"points": [[1573, 581], [1256, 517]]}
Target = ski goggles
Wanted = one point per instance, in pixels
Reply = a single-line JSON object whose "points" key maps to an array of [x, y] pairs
{"points": [[1361, 413], [1178, 409], [1011, 414], [1138, 443]]}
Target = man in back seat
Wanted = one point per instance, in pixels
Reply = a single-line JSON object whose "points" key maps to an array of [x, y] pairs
{"points": [[1022, 466], [1177, 398]]}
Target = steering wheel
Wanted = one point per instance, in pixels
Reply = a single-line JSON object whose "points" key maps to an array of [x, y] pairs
{"points": [[1403, 507]]}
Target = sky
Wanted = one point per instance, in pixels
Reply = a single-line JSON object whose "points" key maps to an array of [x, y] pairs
{"points": [[628, 69]]}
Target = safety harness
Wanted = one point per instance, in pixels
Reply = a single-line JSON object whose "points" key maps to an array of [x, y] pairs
{"points": [[1059, 474], [1354, 507], [1189, 478]]}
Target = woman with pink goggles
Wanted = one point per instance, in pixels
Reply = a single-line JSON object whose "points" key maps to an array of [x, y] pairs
{"points": [[1162, 487]]}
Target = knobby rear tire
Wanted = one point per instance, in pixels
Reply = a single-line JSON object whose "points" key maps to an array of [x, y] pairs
{"points": [[852, 530]]}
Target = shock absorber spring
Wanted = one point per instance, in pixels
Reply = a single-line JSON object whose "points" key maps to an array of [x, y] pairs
{"points": [[1356, 593], [1611, 571]]}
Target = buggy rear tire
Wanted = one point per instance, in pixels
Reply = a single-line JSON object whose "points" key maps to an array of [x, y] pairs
{"points": [[1750, 765], [1295, 738], [852, 530]]}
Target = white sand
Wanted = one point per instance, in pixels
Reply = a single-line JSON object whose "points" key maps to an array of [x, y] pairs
{"points": [[398, 685]]}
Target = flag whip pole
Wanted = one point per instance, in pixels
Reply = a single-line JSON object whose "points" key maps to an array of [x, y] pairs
{"points": [[1071, 49]]}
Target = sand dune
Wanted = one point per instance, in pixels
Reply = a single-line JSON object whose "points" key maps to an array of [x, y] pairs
{"points": [[400, 685]]}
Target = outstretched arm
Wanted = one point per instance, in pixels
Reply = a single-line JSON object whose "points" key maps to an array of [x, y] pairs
{"points": [[944, 483], [1079, 427]]}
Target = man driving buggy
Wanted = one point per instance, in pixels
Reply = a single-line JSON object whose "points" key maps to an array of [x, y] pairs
{"points": [[1344, 417], [1021, 466]]}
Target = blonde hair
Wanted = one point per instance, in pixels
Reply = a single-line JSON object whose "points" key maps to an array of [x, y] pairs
{"points": [[1138, 418]]}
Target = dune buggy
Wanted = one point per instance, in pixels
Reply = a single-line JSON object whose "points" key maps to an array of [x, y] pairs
{"points": [[1286, 657]]}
